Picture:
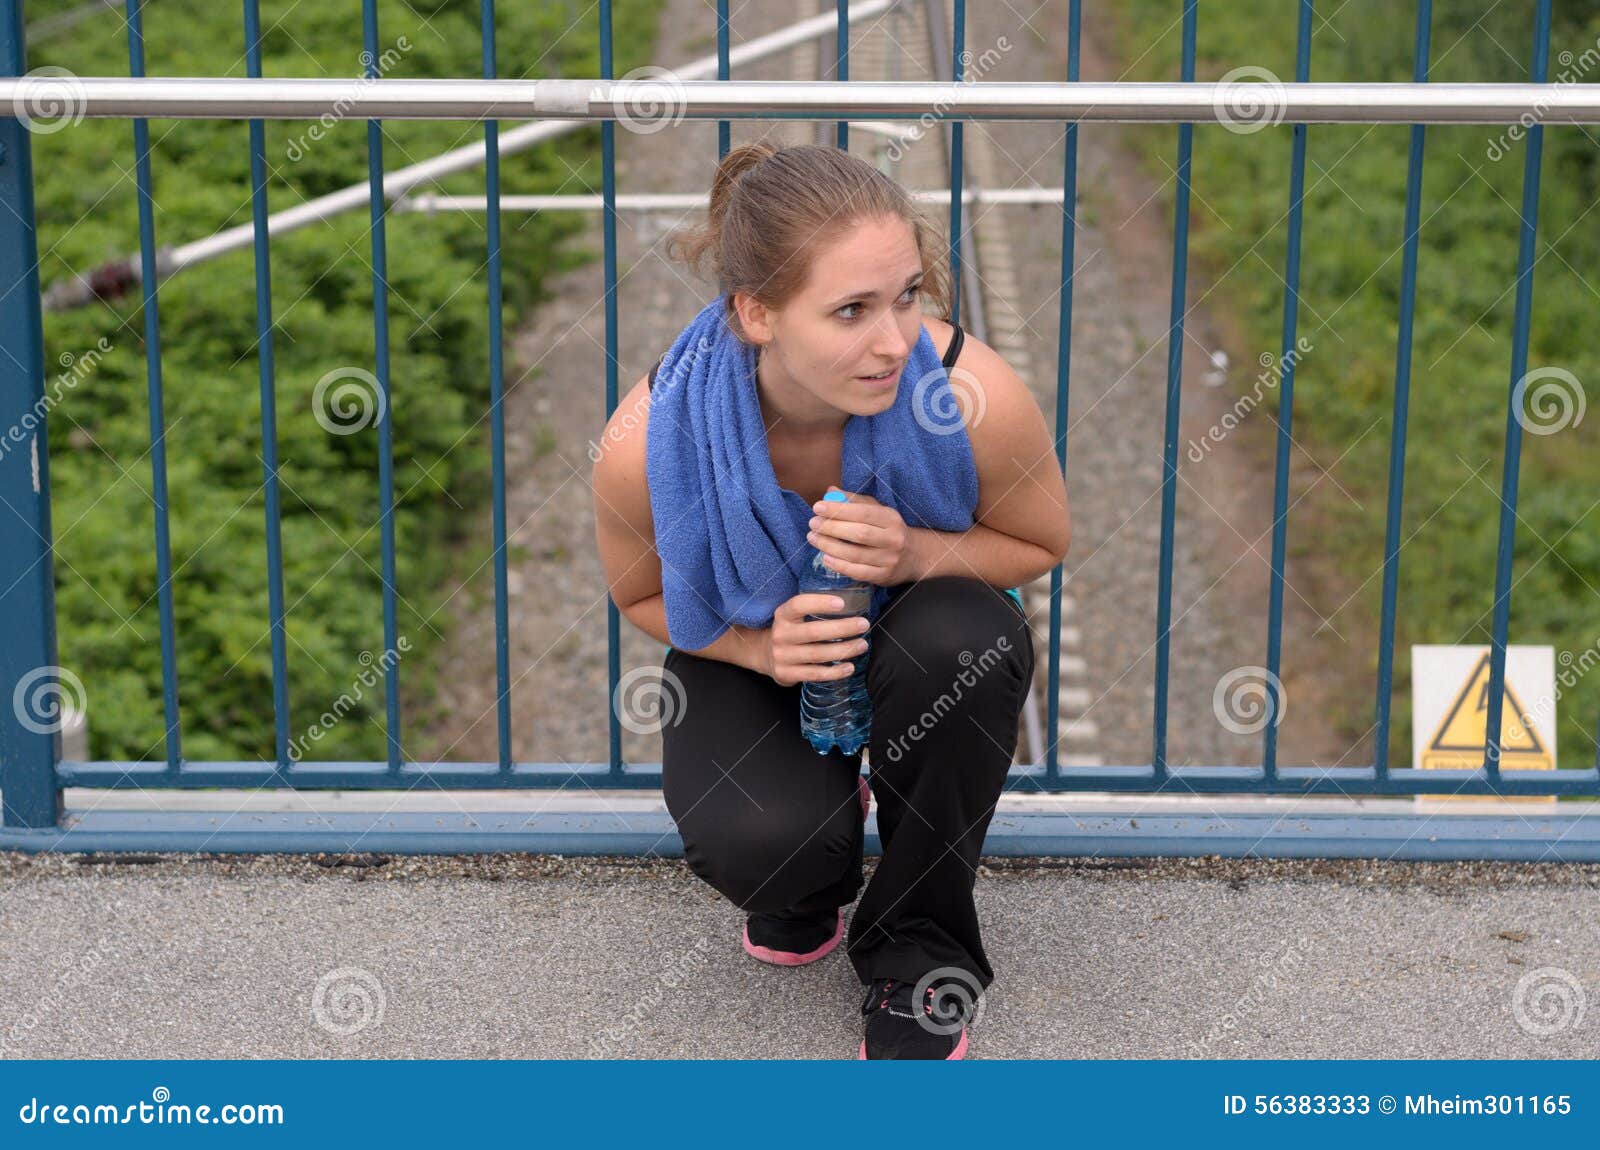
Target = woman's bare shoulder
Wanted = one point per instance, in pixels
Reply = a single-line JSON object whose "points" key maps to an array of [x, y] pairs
{"points": [[618, 456], [941, 332]]}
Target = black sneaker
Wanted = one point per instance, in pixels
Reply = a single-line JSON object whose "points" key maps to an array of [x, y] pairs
{"points": [[789, 941], [897, 1027]]}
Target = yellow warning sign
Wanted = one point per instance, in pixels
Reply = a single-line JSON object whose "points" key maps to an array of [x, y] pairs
{"points": [[1458, 743]]}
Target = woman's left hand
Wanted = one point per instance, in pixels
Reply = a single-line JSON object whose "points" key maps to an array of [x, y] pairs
{"points": [[862, 539]]}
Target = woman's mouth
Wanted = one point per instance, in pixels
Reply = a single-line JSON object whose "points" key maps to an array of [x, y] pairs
{"points": [[881, 380]]}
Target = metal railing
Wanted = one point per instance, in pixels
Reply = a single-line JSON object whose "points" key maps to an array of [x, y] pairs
{"points": [[33, 777]]}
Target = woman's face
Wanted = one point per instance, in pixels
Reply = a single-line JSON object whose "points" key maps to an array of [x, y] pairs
{"points": [[858, 315]]}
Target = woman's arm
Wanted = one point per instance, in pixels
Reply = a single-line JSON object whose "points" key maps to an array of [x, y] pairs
{"points": [[1023, 525]]}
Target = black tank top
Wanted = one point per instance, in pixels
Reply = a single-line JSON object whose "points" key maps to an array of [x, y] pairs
{"points": [[949, 358]]}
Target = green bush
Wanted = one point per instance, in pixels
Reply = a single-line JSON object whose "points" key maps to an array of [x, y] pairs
{"points": [[322, 287], [1350, 280]]}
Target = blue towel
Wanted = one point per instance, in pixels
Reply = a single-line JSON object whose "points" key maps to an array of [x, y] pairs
{"points": [[732, 542]]}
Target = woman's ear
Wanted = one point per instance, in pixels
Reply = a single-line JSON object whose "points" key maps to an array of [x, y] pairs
{"points": [[755, 318]]}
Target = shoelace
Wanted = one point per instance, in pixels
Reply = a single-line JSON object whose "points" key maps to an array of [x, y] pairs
{"points": [[895, 996]]}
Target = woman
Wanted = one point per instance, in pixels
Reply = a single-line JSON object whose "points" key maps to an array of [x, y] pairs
{"points": [[816, 371]]}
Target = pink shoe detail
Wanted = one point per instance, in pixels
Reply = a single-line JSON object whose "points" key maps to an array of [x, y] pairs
{"points": [[959, 1052], [866, 796], [789, 957]]}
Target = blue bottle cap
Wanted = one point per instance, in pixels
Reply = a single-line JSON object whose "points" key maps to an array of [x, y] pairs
{"points": [[836, 497]]}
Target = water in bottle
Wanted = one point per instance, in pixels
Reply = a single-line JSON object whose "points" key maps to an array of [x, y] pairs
{"points": [[837, 712]]}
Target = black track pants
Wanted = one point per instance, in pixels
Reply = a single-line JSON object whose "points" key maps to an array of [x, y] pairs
{"points": [[774, 826]]}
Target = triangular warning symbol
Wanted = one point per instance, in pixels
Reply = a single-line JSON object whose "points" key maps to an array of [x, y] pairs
{"points": [[1458, 744]]}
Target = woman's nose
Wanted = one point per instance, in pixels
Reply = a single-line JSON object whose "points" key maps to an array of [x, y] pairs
{"points": [[890, 343]]}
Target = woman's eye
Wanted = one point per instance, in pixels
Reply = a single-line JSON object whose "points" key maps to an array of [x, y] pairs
{"points": [[906, 297]]}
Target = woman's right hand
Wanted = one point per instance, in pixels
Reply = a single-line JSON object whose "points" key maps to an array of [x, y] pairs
{"points": [[798, 651]]}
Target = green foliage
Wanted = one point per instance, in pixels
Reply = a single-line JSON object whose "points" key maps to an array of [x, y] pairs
{"points": [[1350, 279], [322, 299]]}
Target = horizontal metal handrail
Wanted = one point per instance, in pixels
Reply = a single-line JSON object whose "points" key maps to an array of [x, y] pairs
{"points": [[665, 98]]}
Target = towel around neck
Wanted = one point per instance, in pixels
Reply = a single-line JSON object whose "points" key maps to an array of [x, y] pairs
{"points": [[732, 542]]}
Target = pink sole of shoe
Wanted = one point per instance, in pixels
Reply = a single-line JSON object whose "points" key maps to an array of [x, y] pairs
{"points": [[959, 1052], [789, 957]]}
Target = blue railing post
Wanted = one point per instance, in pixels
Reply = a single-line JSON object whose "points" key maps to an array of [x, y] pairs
{"points": [[1069, 265], [1169, 451], [1402, 406], [1289, 352], [27, 572], [608, 224], [1527, 235]]}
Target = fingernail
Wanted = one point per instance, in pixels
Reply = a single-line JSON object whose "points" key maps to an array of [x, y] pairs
{"points": [[838, 604]]}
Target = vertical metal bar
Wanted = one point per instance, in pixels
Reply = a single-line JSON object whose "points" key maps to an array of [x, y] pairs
{"points": [[27, 571], [957, 208], [724, 135], [1519, 367], [1287, 356], [497, 417], [842, 54], [158, 422], [1402, 401], [608, 195], [269, 402], [380, 319], [1169, 472], [1069, 258]]}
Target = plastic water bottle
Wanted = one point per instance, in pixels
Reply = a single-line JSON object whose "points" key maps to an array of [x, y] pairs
{"points": [[836, 712]]}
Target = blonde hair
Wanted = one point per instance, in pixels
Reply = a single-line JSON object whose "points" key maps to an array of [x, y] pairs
{"points": [[772, 207]]}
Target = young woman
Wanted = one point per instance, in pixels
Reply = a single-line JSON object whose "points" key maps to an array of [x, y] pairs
{"points": [[816, 371]]}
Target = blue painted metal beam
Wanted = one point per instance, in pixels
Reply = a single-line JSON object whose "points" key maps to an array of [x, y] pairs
{"points": [[1288, 355], [497, 412], [1343, 781], [149, 280], [1521, 322], [1554, 838], [1402, 404], [1069, 265], [28, 661], [1169, 446], [608, 196], [269, 398], [380, 325]]}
